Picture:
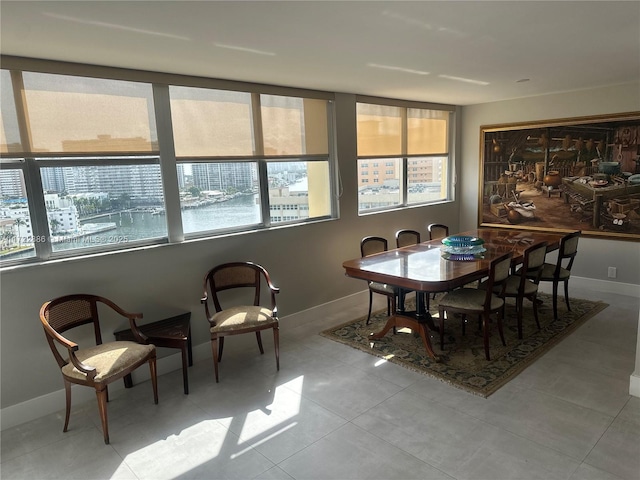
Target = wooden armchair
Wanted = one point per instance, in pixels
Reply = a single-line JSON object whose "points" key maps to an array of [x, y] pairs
{"points": [[247, 317], [99, 365]]}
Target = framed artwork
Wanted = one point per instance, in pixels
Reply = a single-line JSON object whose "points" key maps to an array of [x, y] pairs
{"points": [[563, 175]]}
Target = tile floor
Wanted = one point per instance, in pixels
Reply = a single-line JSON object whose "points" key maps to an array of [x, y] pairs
{"points": [[333, 412]]}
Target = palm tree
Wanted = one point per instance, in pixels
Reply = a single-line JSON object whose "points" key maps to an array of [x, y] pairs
{"points": [[55, 224], [9, 236], [18, 222]]}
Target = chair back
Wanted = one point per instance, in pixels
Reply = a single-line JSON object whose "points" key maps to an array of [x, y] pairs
{"points": [[407, 237], [437, 231], [532, 263], [70, 311], [67, 312], [370, 245], [498, 272], [246, 275], [568, 251]]}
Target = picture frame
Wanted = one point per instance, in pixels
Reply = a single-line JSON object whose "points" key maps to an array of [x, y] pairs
{"points": [[563, 175]]}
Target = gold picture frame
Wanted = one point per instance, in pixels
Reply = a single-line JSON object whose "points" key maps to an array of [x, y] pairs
{"points": [[563, 175]]}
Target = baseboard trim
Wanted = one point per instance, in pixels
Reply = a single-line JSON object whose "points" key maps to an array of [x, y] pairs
{"points": [[53, 402], [607, 286], [634, 384]]}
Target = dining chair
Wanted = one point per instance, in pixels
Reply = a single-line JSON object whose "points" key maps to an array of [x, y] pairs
{"points": [[244, 311], [437, 231], [481, 302], [94, 366], [369, 246], [406, 237], [561, 270], [524, 282]]}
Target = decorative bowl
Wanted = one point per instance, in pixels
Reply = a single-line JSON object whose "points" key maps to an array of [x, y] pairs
{"points": [[462, 241], [610, 168]]}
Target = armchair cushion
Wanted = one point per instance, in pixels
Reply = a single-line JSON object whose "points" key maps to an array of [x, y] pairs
{"points": [[109, 359], [382, 288], [241, 317], [469, 299], [549, 269]]}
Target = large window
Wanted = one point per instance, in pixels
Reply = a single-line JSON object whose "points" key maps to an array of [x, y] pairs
{"points": [[403, 156], [224, 146], [86, 169]]}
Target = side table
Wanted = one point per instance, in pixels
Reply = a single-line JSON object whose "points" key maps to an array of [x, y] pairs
{"points": [[173, 332]]}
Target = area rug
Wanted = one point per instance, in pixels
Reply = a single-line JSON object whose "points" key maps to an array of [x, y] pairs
{"points": [[462, 362]]}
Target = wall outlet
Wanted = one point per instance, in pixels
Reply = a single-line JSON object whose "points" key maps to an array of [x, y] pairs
{"points": [[612, 272]]}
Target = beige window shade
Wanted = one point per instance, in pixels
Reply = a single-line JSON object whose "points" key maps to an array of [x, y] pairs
{"points": [[9, 132], [427, 131], [294, 126], [210, 122], [68, 114], [379, 130]]}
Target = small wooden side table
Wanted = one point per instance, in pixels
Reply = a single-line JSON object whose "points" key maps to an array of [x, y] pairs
{"points": [[173, 332]]}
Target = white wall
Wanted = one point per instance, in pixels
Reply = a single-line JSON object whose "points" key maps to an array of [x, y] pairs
{"points": [[595, 254], [305, 262]]}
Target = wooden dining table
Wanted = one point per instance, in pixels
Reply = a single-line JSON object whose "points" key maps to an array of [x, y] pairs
{"points": [[422, 268]]}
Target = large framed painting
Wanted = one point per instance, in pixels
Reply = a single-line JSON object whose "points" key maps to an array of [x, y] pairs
{"points": [[563, 175]]}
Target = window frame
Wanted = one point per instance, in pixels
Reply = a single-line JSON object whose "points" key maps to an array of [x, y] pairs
{"points": [[30, 164], [404, 157]]}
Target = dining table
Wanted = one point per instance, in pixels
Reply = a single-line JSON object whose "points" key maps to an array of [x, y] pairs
{"points": [[425, 267]]}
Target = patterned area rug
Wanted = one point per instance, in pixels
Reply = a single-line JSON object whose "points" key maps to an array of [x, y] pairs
{"points": [[463, 362]]}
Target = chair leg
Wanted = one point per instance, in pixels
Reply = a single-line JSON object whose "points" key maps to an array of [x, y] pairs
{"points": [[101, 395], [555, 300], [276, 345], [370, 305], [214, 349], [519, 308], [259, 338], [441, 315], [566, 294], [485, 334], [67, 391], [534, 300], [499, 316], [154, 378], [221, 348]]}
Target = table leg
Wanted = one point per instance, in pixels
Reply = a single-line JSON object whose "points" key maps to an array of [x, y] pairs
{"points": [[185, 374], [403, 321]]}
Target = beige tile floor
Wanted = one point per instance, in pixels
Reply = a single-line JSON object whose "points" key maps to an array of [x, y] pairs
{"points": [[333, 412]]}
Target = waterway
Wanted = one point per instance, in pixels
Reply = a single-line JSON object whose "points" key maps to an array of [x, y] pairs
{"points": [[132, 226]]}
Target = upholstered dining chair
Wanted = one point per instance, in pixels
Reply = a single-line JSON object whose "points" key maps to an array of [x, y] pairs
{"points": [[368, 246], [245, 312], [561, 270], [94, 366], [406, 237], [437, 231], [524, 283], [480, 302]]}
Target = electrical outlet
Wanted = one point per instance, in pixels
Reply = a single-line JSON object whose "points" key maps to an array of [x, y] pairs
{"points": [[612, 272]]}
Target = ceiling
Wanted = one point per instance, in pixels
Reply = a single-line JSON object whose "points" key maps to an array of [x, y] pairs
{"points": [[453, 52]]}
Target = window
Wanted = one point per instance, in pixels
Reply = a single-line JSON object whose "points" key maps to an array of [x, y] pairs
{"points": [[224, 188], [17, 240], [85, 169], [411, 140]]}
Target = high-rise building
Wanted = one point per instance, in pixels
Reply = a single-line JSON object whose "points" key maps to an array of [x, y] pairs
{"points": [[222, 176], [12, 184]]}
